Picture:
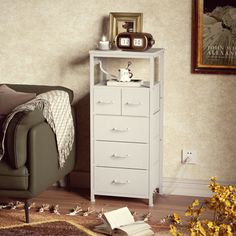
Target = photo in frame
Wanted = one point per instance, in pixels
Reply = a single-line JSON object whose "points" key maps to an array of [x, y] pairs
{"points": [[214, 36], [124, 22]]}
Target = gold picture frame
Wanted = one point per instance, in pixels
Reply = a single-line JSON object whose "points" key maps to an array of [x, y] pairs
{"points": [[124, 22], [214, 45]]}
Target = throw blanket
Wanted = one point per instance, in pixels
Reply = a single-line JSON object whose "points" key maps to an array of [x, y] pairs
{"points": [[56, 109]]}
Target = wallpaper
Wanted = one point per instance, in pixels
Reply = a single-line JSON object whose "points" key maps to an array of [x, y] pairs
{"points": [[47, 42]]}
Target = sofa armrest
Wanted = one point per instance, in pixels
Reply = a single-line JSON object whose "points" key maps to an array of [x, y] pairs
{"points": [[43, 161], [16, 137]]}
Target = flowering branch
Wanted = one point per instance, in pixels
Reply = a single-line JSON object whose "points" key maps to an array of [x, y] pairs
{"points": [[223, 205]]}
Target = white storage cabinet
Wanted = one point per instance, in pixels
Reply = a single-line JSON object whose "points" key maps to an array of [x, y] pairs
{"points": [[126, 129]]}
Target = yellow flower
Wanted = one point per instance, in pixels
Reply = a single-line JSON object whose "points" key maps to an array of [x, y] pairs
{"points": [[227, 203], [210, 224], [195, 203], [188, 213], [213, 178], [176, 218], [174, 231]]}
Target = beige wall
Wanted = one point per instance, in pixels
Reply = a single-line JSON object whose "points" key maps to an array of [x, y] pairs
{"points": [[47, 42]]}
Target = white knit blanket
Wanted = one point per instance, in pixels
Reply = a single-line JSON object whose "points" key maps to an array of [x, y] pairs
{"points": [[56, 109]]}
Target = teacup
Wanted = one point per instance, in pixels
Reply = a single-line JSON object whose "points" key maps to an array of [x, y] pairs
{"points": [[124, 75]]}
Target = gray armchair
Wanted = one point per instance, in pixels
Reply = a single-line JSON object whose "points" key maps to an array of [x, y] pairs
{"points": [[30, 163]]}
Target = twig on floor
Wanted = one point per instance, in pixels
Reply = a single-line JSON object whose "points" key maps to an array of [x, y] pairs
{"points": [[88, 212], [14, 205], [32, 205], [3, 206], [100, 214], [44, 207], [75, 211], [146, 216], [55, 209]]}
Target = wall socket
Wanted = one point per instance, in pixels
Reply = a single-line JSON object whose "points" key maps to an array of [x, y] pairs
{"points": [[189, 157]]}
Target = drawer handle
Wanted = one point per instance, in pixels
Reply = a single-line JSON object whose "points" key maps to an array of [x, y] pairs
{"points": [[120, 130], [120, 182], [119, 156], [105, 102], [133, 103]]}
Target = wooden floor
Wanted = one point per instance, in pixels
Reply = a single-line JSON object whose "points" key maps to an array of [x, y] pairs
{"points": [[163, 205]]}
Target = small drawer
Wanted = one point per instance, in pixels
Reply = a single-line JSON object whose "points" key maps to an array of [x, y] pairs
{"points": [[123, 155], [135, 101], [121, 181], [107, 101], [120, 128]]}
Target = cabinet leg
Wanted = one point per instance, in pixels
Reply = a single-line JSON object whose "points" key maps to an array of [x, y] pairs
{"points": [[150, 202], [92, 198]]}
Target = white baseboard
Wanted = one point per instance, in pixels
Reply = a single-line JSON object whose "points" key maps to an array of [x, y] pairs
{"points": [[188, 187]]}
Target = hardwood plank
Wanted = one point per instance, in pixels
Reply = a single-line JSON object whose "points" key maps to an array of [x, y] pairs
{"points": [[163, 204]]}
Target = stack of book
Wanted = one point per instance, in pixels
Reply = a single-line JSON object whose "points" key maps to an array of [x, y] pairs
{"points": [[132, 83]]}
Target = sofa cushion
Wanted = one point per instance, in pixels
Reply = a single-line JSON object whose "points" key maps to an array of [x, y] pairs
{"points": [[38, 89], [9, 99], [13, 179]]}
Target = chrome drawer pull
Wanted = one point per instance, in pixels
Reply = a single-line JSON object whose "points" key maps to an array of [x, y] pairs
{"points": [[105, 102], [120, 182], [133, 103], [119, 156], [120, 130]]}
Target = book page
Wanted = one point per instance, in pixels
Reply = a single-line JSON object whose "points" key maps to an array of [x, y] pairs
{"points": [[135, 228], [119, 217], [103, 228], [145, 232]]}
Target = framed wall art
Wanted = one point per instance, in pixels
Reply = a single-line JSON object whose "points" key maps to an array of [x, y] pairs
{"points": [[124, 22], [214, 36]]}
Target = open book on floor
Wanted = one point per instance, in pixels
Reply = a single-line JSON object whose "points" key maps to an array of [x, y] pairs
{"points": [[120, 222]]}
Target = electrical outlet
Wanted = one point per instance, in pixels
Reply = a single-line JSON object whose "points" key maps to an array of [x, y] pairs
{"points": [[189, 157]]}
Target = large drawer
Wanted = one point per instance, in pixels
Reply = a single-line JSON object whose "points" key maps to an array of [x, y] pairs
{"points": [[121, 181], [135, 101], [124, 155], [107, 101], [120, 128]]}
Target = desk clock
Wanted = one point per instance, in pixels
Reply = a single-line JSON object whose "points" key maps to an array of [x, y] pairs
{"points": [[134, 41]]}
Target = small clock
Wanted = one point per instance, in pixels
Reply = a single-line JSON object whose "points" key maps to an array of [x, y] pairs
{"points": [[134, 41], [124, 41]]}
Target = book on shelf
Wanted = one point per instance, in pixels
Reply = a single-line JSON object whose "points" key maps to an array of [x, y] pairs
{"points": [[121, 222], [132, 83]]}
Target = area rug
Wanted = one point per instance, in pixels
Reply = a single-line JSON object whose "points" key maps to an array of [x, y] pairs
{"points": [[49, 228], [13, 220]]}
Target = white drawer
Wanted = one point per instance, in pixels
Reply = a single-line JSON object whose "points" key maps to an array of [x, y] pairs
{"points": [[121, 181], [107, 101], [120, 128], [124, 155], [135, 101]]}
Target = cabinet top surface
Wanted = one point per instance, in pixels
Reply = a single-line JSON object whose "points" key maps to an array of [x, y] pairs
{"points": [[153, 52]]}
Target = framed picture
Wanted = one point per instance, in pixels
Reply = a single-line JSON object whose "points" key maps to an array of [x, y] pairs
{"points": [[124, 22], [214, 36]]}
